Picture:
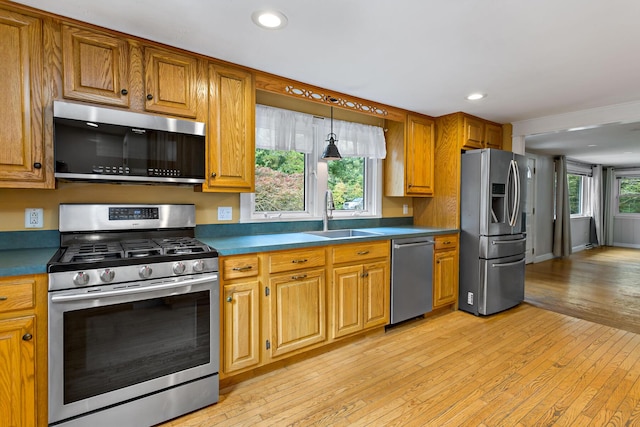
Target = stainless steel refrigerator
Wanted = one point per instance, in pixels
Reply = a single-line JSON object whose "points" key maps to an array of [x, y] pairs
{"points": [[492, 235]]}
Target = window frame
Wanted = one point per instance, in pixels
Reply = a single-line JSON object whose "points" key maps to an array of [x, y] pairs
{"points": [[618, 180], [316, 184]]}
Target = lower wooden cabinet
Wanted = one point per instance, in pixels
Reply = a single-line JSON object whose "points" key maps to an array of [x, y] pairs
{"points": [[241, 334], [445, 271], [360, 287], [23, 348]]}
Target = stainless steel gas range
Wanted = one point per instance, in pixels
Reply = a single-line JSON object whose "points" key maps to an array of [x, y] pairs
{"points": [[133, 316]]}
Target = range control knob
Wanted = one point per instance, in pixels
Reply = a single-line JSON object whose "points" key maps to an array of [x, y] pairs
{"points": [[81, 278], [107, 275], [145, 271], [179, 267], [198, 266]]}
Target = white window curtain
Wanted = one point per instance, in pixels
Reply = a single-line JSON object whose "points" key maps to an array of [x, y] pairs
{"points": [[356, 139], [279, 129]]}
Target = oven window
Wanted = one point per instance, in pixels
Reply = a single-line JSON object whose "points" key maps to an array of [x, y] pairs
{"points": [[112, 347]]}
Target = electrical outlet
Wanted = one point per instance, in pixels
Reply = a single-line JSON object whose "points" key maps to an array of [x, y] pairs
{"points": [[225, 213], [470, 298], [405, 209], [33, 218]]}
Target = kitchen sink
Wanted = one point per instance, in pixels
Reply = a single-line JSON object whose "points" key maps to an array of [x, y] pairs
{"points": [[338, 234]]}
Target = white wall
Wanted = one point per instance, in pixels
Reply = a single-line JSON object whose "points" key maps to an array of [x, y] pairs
{"points": [[580, 233], [626, 231], [543, 249]]}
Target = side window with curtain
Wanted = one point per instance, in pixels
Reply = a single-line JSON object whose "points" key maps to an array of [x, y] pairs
{"points": [[629, 195], [579, 180], [291, 177]]}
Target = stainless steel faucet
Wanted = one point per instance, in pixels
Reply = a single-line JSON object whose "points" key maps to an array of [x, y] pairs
{"points": [[328, 210]]}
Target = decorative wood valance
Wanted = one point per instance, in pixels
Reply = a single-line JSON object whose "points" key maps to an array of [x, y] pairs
{"points": [[280, 85]]}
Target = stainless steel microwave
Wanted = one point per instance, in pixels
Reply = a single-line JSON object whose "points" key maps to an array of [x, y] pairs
{"points": [[103, 144]]}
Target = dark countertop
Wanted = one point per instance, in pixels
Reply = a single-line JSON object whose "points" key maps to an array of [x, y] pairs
{"points": [[272, 242], [17, 262]]}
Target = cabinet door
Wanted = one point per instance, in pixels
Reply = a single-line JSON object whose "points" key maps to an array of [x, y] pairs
{"points": [[298, 317], [492, 136], [376, 291], [347, 300], [95, 67], [473, 130], [170, 82], [22, 150], [17, 372], [420, 156], [241, 326], [231, 141], [445, 277]]}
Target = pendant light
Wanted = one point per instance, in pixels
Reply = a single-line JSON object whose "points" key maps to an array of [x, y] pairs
{"points": [[331, 152]]}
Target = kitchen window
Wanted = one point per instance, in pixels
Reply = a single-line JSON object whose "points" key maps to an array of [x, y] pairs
{"points": [[291, 177]]}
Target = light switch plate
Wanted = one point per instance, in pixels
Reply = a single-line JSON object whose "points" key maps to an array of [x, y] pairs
{"points": [[225, 213], [33, 218]]}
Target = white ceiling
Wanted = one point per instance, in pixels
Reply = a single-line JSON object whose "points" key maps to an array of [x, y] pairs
{"points": [[532, 58]]}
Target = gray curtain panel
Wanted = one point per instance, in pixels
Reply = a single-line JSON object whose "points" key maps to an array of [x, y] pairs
{"points": [[562, 225]]}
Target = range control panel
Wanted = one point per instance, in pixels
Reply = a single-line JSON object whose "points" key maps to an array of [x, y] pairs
{"points": [[129, 213]]}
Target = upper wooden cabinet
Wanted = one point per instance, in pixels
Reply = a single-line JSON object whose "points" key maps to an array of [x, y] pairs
{"points": [[107, 69], [479, 133], [171, 84], [409, 167], [231, 133], [26, 161], [95, 66]]}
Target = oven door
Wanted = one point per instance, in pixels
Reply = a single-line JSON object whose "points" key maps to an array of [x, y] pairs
{"points": [[114, 343]]}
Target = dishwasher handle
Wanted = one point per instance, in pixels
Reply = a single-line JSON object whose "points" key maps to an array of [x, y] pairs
{"points": [[411, 245]]}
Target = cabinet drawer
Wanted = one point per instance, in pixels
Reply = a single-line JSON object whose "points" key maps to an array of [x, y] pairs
{"points": [[16, 296], [238, 267], [360, 251], [296, 260], [446, 242]]}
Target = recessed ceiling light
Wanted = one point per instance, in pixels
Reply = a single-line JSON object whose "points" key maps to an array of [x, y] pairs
{"points": [[476, 96], [269, 19]]}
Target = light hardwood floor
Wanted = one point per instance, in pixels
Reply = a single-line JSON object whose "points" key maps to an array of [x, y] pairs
{"points": [[524, 367]]}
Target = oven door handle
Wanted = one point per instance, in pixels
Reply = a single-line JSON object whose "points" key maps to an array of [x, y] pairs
{"points": [[135, 290]]}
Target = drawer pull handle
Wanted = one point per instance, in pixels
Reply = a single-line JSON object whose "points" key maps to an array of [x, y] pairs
{"points": [[302, 276], [243, 268], [363, 252], [299, 261], [447, 242], [364, 275], [27, 337], [4, 298]]}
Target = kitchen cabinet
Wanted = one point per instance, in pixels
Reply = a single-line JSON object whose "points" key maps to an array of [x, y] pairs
{"points": [[95, 66], [171, 82], [102, 68], [241, 313], [26, 160], [479, 133], [231, 130], [409, 167], [445, 270], [360, 287], [296, 293], [23, 348]]}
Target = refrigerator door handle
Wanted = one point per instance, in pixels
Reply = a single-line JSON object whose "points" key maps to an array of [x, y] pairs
{"points": [[516, 211], [508, 264], [514, 192], [506, 242]]}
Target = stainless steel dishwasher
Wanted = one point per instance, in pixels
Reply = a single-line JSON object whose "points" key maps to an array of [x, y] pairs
{"points": [[411, 277]]}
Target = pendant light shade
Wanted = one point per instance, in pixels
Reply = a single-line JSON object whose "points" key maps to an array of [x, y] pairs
{"points": [[331, 152]]}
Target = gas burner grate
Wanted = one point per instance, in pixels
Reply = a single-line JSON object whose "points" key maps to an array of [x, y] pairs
{"points": [[181, 245], [90, 252], [140, 248]]}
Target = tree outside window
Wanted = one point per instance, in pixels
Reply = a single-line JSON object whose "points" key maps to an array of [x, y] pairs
{"points": [[629, 195], [575, 194]]}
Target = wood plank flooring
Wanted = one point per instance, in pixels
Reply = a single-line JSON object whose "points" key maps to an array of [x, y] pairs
{"points": [[524, 367], [601, 285]]}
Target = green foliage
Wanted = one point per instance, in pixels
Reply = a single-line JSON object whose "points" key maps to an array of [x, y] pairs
{"points": [[346, 180], [629, 197], [575, 192]]}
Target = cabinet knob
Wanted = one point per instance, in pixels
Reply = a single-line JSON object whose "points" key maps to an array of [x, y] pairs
{"points": [[438, 262], [229, 299], [27, 337], [37, 165], [213, 174], [124, 92], [3, 298], [149, 97]]}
